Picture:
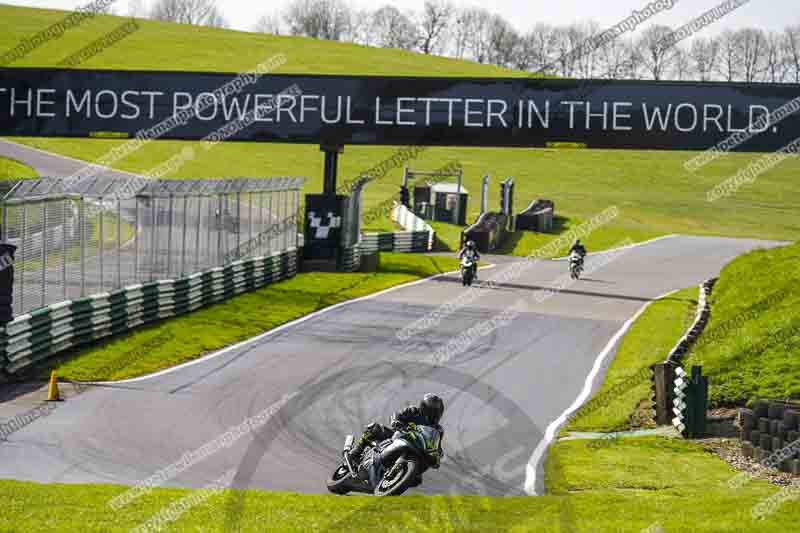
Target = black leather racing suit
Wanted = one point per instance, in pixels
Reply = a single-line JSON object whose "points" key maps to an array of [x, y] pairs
{"points": [[378, 432], [474, 255], [581, 249]]}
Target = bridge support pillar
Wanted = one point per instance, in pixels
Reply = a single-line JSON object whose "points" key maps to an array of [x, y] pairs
{"points": [[332, 152]]}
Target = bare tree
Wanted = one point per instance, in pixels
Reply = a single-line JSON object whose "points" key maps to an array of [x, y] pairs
{"points": [[361, 28], [791, 50], [704, 54], [752, 45], [478, 23], [728, 65], [196, 12], [268, 24], [775, 62], [585, 49], [322, 19], [460, 33], [615, 60], [564, 60], [503, 42], [524, 52], [436, 15], [393, 29], [656, 50], [681, 64], [543, 48]]}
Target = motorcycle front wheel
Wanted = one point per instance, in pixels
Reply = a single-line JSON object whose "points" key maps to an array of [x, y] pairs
{"points": [[399, 478], [339, 483]]}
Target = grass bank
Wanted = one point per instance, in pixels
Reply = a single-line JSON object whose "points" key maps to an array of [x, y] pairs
{"points": [[11, 169], [627, 384], [180, 339], [627, 487], [750, 347], [160, 45], [651, 483], [632, 484]]}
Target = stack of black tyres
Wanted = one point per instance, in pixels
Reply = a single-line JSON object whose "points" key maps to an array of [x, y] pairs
{"points": [[771, 430]]}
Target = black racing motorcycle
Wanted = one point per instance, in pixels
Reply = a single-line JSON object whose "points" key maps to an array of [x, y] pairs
{"points": [[468, 268], [390, 467], [575, 265]]}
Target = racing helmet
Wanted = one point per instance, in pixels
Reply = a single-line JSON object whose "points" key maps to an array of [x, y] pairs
{"points": [[470, 245], [432, 408]]}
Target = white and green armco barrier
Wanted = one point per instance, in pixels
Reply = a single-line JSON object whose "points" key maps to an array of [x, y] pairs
{"points": [[418, 238], [42, 333]]}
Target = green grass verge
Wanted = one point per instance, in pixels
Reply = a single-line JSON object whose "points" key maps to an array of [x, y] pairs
{"points": [[523, 243], [179, 339], [635, 483], [34, 507], [166, 46], [648, 341], [625, 487], [653, 192], [11, 169], [750, 347]]}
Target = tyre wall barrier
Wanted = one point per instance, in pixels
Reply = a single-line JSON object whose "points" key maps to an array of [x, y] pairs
{"points": [[45, 332], [488, 232], [537, 217], [700, 320], [418, 239], [370, 243], [770, 434], [662, 385]]}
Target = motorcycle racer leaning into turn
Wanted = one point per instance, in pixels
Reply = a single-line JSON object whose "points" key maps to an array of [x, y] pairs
{"points": [[429, 413]]}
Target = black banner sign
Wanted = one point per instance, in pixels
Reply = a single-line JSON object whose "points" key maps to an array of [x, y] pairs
{"points": [[396, 110]]}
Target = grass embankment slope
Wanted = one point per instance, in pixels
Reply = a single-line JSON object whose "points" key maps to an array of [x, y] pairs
{"points": [[648, 341], [751, 346], [653, 191], [13, 170], [656, 481]]}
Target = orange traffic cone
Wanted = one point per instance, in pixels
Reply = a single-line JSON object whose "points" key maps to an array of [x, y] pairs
{"points": [[53, 394]]}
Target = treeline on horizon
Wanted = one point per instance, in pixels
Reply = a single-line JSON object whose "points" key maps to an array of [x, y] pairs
{"points": [[473, 33]]}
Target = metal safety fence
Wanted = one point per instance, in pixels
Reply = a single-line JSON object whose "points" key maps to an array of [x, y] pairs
{"points": [[76, 239]]}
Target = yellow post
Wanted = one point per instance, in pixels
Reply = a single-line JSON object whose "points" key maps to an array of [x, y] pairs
{"points": [[52, 392]]}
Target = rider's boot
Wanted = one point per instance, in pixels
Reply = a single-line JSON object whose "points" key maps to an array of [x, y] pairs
{"points": [[354, 455]]}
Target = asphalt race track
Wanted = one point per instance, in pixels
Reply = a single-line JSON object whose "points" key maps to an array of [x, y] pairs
{"points": [[335, 371]]}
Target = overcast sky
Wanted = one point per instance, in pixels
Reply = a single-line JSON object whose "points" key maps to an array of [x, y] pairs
{"points": [[766, 14]]}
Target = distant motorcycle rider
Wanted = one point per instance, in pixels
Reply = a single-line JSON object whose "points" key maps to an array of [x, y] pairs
{"points": [[429, 413], [578, 247], [471, 252]]}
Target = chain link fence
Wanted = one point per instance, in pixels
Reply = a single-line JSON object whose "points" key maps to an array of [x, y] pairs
{"points": [[76, 239]]}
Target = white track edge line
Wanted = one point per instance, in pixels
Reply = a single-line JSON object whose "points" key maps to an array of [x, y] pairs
{"points": [[533, 464]]}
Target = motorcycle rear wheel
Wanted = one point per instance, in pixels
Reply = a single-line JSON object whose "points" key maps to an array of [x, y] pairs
{"points": [[405, 472], [339, 483], [466, 279]]}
